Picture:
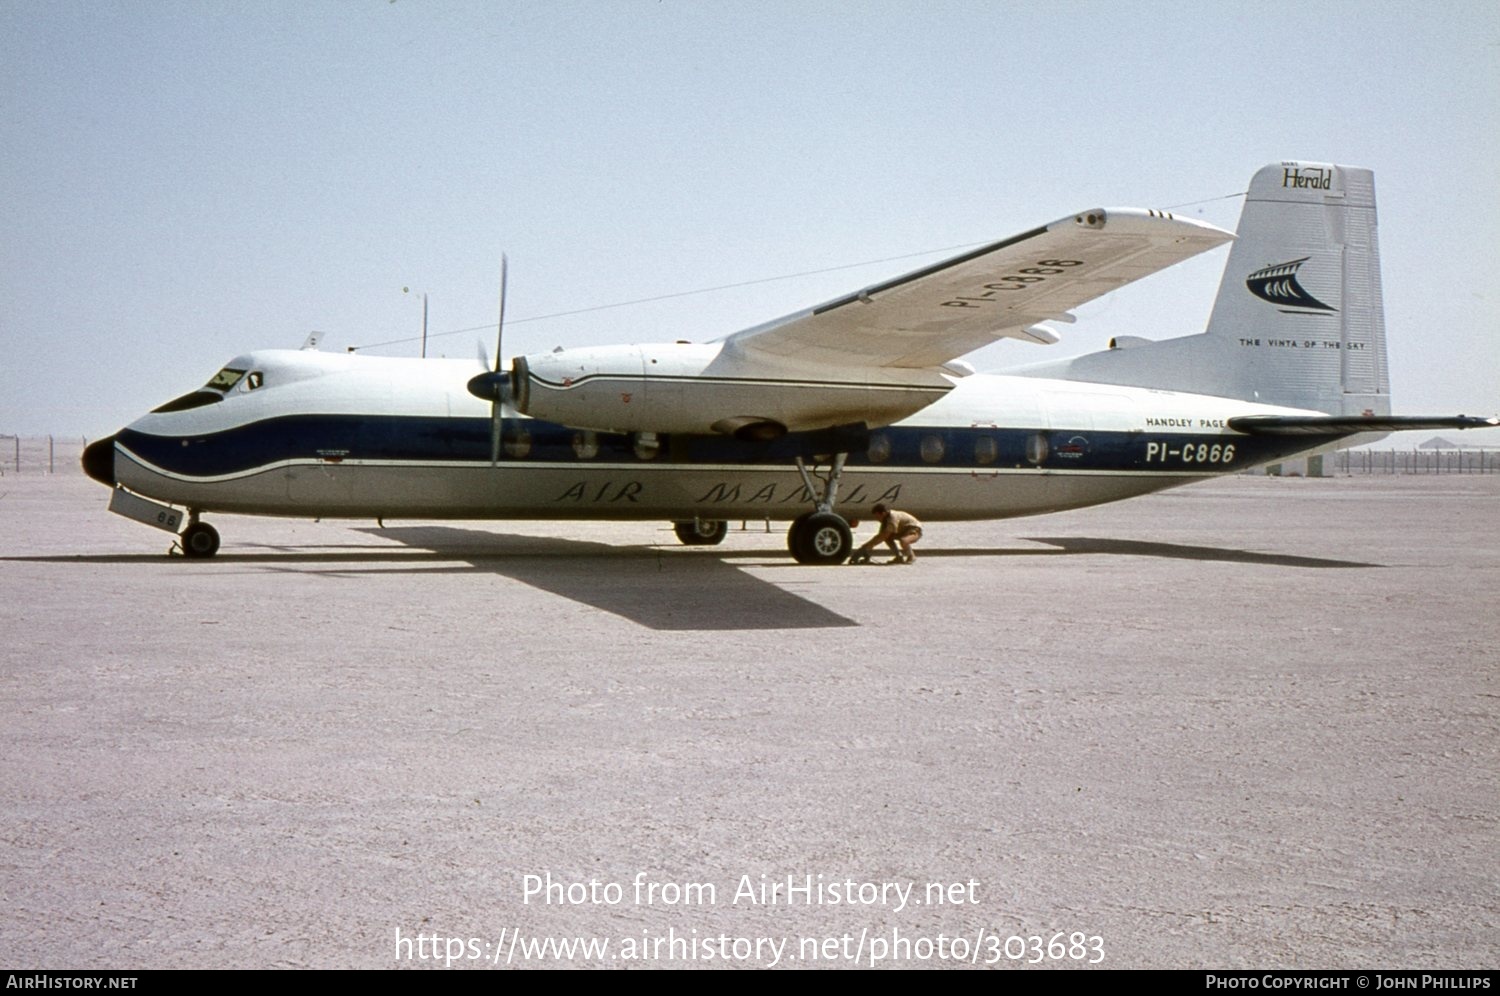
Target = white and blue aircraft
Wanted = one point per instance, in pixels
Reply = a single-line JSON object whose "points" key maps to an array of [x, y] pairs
{"points": [[815, 417]]}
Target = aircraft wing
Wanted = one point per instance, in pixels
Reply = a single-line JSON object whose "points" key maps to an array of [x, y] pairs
{"points": [[938, 313]]}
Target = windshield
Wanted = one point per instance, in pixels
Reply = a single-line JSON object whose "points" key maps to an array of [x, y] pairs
{"points": [[225, 379], [208, 394]]}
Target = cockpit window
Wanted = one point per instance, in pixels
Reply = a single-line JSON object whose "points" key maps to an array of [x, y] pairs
{"points": [[225, 379], [256, 379], [197, 399], [213, 391]]}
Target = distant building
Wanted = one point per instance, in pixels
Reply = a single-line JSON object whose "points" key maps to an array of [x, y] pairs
{"points": [[1318, 465]]}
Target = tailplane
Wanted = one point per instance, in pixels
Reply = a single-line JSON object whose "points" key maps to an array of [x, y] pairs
{"points": [[1298, 320]]}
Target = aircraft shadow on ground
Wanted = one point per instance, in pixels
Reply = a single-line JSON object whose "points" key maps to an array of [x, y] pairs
{"points": [[1179, 551], [664, 589], [659, 588], [1093, 546]]}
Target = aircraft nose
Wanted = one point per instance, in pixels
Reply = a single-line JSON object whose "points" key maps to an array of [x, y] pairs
{"points": [[99, 460]]}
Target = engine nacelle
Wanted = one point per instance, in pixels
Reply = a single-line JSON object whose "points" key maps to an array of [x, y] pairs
{"points": [[703, 388]]}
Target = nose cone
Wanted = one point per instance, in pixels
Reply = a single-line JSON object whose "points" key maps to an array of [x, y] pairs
{"points": [[490, 386], [99, 460]]}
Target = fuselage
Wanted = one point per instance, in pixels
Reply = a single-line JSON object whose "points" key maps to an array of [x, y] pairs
{"points": [[308, 434]]}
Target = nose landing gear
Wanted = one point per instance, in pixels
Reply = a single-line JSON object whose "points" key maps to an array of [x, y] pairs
{"points": [[199, 540], [701, 532]]}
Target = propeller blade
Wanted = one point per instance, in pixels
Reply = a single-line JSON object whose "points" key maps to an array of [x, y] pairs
{"points": [[500, 325], [497, 410]]}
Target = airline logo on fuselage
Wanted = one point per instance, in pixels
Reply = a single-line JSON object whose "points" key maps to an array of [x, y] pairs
{"points": [[1278, 285], [1313, 178]]}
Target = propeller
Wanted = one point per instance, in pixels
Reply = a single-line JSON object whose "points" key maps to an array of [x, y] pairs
{"points": [[494, 385]]}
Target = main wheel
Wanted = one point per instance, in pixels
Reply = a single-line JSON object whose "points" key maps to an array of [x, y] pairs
{"points": [[820, 539], [794, 536], [701, 532], [200, 540]]}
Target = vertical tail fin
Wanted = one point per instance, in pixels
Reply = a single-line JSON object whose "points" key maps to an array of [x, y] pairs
{"points": [[1302, 286], [1298, 320]]}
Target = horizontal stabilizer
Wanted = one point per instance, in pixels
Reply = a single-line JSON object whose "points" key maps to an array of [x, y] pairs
{"points": [[1348, 425]]}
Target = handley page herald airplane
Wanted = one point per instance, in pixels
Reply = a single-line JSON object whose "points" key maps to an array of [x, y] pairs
{"points": [[868, 386]]}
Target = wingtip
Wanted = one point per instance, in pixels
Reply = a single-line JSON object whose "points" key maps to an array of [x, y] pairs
{"points": [[1150, 221]]}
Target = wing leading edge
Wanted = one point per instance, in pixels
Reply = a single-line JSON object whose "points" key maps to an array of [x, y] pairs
{"points": [[940, 312]]}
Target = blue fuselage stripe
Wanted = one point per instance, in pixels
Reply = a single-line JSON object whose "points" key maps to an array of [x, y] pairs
{"points": [[429, 439]]}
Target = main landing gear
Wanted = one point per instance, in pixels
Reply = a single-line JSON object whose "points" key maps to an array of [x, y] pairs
{"points": [[821, 537]]}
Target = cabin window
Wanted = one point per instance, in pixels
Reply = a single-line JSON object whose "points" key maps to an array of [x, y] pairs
{"points": [[986, 450], [880, 448], [585, 445], [647, 445], [932, 449], [1036, 448], [517, 444]]}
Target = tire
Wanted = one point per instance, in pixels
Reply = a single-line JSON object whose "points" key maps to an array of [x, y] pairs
{"points": [[200, 541], [701, 532], [794, 536], [820, 539]]}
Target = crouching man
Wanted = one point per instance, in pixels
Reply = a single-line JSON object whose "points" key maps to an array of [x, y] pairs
{"points": [[898, 530]]}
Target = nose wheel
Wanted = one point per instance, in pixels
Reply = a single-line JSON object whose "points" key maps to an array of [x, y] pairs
{"points": [[199, 541], [701, 532]]}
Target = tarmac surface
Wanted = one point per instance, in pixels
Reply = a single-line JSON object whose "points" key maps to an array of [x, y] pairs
{"points": [[1250, 723]]}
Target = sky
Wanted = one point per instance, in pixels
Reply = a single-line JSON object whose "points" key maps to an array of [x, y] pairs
{"points": [[183, 182]]}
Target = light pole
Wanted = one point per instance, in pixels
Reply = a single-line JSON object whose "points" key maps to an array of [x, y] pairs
{"points": [[7, 435], [406, 290]]}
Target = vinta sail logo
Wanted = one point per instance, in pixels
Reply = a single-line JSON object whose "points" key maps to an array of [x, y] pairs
{"points": [[1278, 285]]}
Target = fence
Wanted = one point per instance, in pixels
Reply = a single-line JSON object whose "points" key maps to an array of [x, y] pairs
{"points": [[1415, 462], [40, 454]]}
